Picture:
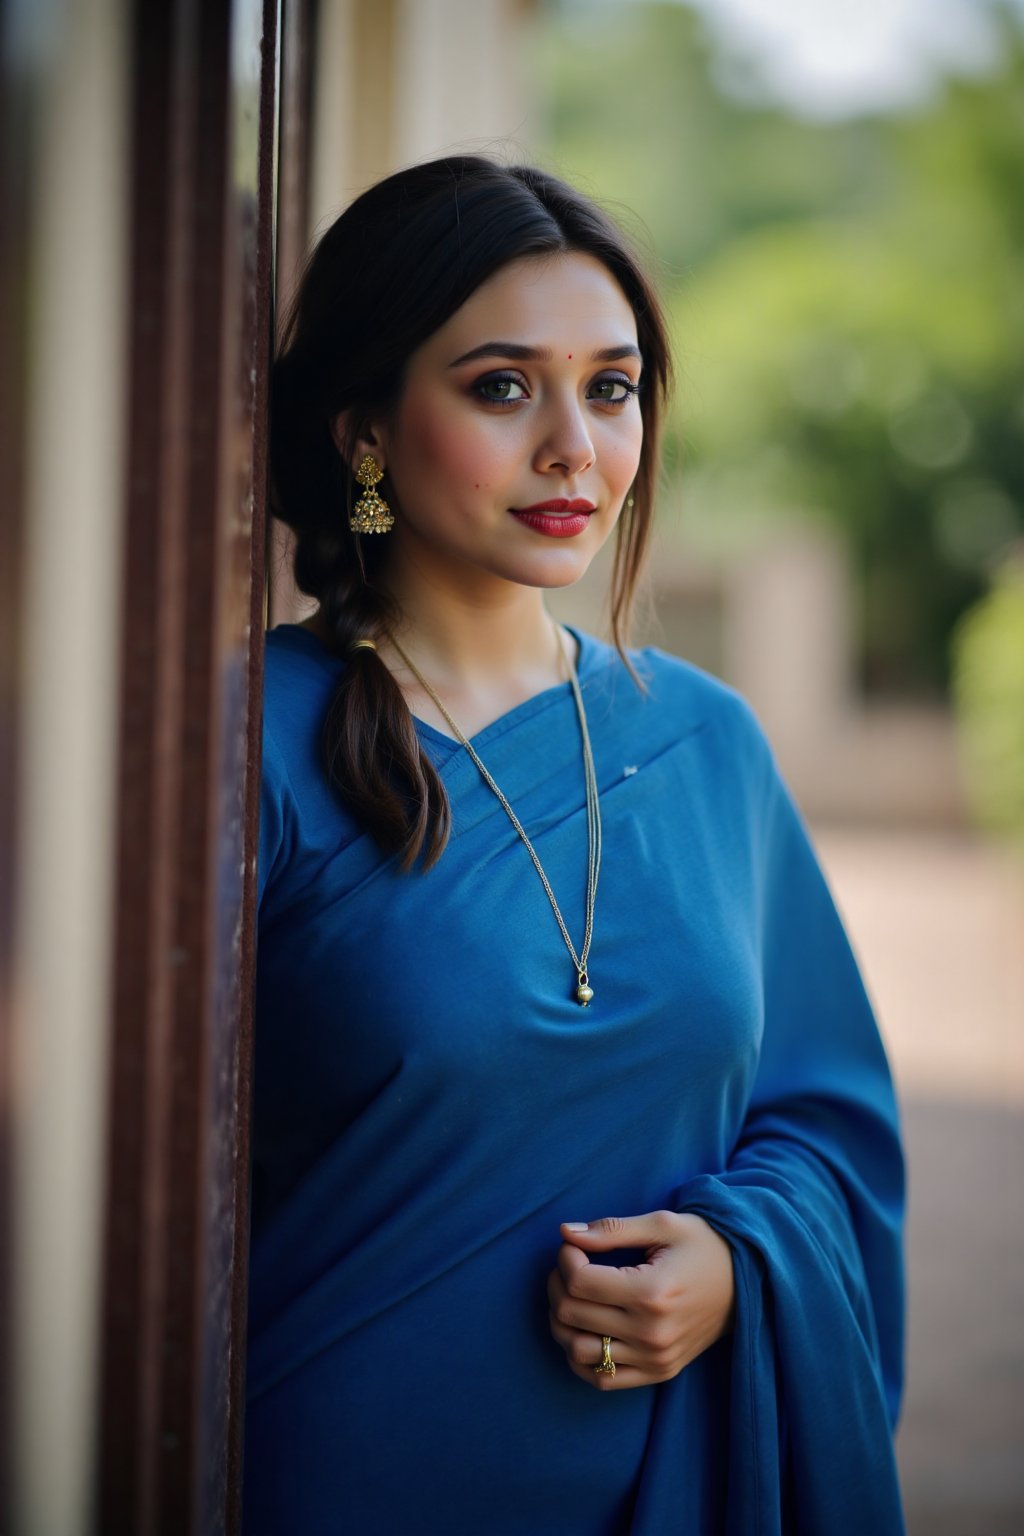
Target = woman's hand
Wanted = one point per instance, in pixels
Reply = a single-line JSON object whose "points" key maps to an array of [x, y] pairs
{"points": [[660, 1315]]}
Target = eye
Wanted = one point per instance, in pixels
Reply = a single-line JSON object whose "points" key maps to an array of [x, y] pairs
{"points": [[613, 390], [500, 389]]}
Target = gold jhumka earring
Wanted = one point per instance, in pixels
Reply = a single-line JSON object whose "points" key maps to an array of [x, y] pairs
{"points": [[371, 513]]}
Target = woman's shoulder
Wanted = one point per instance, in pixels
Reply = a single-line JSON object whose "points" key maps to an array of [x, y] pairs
{"points": [[293, 651], [299, 678], [676, 692]]}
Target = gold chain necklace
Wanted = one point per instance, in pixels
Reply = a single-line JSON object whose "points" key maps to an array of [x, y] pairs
{"points": [[584, 992]]}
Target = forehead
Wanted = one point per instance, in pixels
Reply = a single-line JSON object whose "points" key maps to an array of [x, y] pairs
{"points": [[564, 301]]}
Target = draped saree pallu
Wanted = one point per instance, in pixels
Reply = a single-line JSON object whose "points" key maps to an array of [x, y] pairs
{"points": [[431, 1101]]}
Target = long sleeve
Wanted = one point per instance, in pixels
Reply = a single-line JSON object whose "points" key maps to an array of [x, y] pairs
{"points": [[811, 1203]]}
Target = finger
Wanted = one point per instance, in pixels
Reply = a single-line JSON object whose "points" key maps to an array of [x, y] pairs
{"points": [[571, 1261], [586, 1349], [636, 1365], [583, 1316], [626, 1376], [606, 1284], [575, 1269], [651, 1230]]}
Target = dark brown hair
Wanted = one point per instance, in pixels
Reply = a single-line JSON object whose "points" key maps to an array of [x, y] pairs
{"points": [[383, 278]]}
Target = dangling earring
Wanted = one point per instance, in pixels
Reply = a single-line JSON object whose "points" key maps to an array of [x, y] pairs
{"points": [[371, 513], [629, 502]]}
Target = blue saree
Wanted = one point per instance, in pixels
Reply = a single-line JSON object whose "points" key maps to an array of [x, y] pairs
{"points": [[430, 1102]]}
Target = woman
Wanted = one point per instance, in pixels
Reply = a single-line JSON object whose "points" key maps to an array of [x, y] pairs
{"points": [[576, 1175]]}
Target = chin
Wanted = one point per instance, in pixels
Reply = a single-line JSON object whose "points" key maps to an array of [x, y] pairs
{"points": [[556, 563], [561, 568]]}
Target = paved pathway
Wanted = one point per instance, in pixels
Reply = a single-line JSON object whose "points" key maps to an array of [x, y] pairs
{"points": [[938, 924]]}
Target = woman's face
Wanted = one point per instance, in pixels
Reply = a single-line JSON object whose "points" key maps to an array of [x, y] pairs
{"points": [[518, 431]]}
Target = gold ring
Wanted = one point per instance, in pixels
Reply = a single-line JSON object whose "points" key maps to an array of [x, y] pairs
{"points": [[607, 1365]]}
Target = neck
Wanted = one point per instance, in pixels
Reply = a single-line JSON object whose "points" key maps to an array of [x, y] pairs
{"points": [[484, 646], [477, 648], [477, 636]]}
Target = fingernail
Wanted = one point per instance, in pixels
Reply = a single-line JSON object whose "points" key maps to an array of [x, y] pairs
{"points": [[576, 1226]]}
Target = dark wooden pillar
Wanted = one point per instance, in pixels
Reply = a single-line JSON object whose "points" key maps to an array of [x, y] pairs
{"points": [[204, 123]]}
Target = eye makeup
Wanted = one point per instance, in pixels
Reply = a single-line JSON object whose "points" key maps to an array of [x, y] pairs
{"points": [[508, 380]]}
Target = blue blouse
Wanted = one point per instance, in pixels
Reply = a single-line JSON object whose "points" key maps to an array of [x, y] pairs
{"points": [[430, 1102]]}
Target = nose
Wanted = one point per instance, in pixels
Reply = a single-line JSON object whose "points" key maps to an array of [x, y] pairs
{"points": [[566, 443]]}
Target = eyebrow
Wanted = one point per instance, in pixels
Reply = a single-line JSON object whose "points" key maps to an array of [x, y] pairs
{"points": [[518, 353]]}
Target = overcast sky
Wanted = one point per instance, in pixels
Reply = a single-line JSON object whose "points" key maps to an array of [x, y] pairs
{"points": [[829, 58]]}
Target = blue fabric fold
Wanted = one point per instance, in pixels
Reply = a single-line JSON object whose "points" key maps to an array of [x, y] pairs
{"points": [[811, 1203]]}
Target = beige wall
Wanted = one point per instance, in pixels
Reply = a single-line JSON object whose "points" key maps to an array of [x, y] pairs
{"points": [[72, 595], [404, 80]]}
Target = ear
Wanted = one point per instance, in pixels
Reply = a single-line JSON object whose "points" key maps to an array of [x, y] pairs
{"points": [[369, 439]]}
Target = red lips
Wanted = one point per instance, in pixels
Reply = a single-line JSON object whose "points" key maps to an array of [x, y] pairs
{"points": [[559, 504]]}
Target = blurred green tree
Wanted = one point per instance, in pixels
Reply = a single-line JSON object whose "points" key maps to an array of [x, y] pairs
{"points": [[988, 679], [848, 305]]}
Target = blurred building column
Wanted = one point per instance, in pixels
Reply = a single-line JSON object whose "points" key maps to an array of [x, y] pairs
{"points": [[354, 102], [65, 139], [787, 641], [461, 79], [396, 81]]}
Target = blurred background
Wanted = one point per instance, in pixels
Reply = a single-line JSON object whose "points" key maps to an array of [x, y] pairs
{"points": [[831, 196]]}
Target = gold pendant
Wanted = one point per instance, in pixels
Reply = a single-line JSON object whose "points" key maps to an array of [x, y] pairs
{"points": [[584, 992]]}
